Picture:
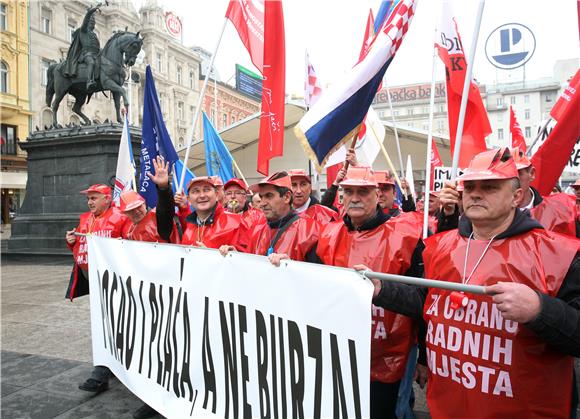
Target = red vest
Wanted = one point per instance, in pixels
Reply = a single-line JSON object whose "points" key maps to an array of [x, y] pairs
{"points": [[111, 223], [253, 217], [557, 213], [146, 230], [320, 213], [296, 241], [387, 248], [480, 365], [227, 228]]}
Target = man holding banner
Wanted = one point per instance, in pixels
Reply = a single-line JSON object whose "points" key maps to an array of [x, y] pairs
{"points": [[365, 236], [236, 201], [507, 353]]}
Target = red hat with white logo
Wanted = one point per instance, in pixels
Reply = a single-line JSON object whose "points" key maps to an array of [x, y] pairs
{"points": [[236, 182], [130, 200], [359, 176], [202, 179], [489, 165], [98, 188], [218, 181], [296, 174], [384, 177], [275, 179], [521, 160]]}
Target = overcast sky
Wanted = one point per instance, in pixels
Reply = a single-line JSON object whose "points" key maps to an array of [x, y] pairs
{"points": [[332, 31]]}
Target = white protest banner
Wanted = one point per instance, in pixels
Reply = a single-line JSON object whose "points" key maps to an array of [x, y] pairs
{"points": [[194, 334], [573, 166], [442, 175]]}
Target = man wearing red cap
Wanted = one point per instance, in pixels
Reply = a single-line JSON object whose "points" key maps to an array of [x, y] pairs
{"points": [[103, 220], [366, 236], [236, 201], [306, 204], [286, 235], [508, 353], [209, 225], [556, 212]]}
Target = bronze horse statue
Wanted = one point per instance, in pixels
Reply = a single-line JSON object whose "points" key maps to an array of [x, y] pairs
{"points": [[121, 50]]}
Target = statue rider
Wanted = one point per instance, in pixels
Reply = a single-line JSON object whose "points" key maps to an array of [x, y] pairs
{"points": [[85, 47]]}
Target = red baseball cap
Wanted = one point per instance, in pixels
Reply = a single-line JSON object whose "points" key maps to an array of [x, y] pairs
{"points": [[491, 164], [520, 158], [299, 174], [359, 176], [275, 179], [235, 181], [384, 177], [98, 188], [130, 200], [217, 181], [199, 179]]}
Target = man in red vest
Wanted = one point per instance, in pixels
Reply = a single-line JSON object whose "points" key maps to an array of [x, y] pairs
{"points": [[209, 225], [508, 353], [236, 199], [304, 202], [367, 236], [556, 212], [286, 235], [103, 220]]}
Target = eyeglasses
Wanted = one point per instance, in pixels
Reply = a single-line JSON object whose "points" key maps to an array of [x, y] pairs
{"points": [[236, 193]]}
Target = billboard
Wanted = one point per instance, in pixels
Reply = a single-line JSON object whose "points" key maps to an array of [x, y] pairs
{"points": [[248, 82]]}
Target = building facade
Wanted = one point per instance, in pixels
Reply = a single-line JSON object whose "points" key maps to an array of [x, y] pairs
{"points": [[14, 101]]}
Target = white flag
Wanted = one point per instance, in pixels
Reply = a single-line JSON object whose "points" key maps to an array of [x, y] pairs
{"points": [[409, 177], [125, 176]]}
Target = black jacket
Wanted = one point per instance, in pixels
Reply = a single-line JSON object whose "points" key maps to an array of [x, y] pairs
{"points": [[558, 322]]}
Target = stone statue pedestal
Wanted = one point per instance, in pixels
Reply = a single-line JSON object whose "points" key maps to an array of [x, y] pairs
{"points": [[62, 162]]}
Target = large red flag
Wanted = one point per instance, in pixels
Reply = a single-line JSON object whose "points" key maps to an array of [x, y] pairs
{"points": [[248, 19], [518, 139], [476, 124], [553, 155], [271, 140]]}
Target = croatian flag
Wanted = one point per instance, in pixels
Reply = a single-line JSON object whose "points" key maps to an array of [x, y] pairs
{"points": [[336, 116], [125, 175]]}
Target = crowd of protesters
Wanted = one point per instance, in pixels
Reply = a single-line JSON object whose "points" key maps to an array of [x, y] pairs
{"points": [[489, 228]]}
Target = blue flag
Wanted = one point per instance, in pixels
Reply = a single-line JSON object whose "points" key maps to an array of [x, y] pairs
{"points": [[155, 140], [218, 160], [177, 176]]}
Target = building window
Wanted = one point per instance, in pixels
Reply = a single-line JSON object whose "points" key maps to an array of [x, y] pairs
{"points": [[3, 21], [159, 62], [527, 99], [191, 80], [548, 97], [410, 111], [500, 117], [426, 110], [3, 77], [441, 108], [179, 74], [499, 101], [395, 112], [527, 114], [513, 100], [72, 27], [45, 20], [180, 110], [425, 127], [440, 125], [44, 64], [500, 134], [224, 120], [528, 132], [8, 133], [233, 120], [191, 112]]}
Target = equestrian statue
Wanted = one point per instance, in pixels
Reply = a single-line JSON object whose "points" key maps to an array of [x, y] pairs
{"points": [[88, 69]]}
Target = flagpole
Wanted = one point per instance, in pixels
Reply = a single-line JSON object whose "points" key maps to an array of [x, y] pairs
{"points": [[198, 107], [541, 131], [395, 129], [387, 158], [239, 171], [421, 282], [429, 146], [352, 144], [465, 94]]}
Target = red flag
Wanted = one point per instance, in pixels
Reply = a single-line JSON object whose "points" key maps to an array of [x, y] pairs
{"points": [[476, 124], [435, 161], [271, 139], [249, 22], [518, 139], [369, 35], [331, 173], [552, 156]]}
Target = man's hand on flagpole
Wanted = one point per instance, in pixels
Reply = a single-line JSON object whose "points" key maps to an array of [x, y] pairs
{"points": [[449, 197], [516, 302], [351, 157], [161, 176], [340, 176]]}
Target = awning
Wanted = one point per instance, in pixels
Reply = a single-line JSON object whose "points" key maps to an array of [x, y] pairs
{"points": [[13, 180]]}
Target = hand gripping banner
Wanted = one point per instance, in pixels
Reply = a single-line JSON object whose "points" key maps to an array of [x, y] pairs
{"points": [[195, 334]]}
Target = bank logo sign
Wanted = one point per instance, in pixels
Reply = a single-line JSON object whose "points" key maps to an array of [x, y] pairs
{"points": [[510, 46]]}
